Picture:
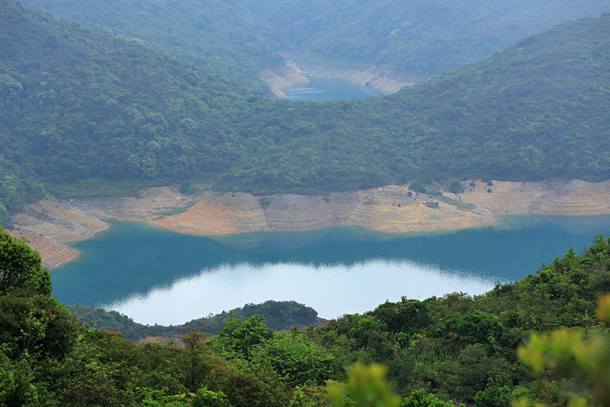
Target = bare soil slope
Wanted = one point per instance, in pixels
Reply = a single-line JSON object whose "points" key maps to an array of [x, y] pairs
{"points": [[392, 209]]}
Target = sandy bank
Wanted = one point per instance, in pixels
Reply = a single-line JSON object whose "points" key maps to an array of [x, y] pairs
{"points": [[392, 209], [282, 78], [48, 225], [295, 73]]}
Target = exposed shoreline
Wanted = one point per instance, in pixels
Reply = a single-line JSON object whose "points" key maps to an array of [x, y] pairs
{"points": [[48, 225], [295, 73]]}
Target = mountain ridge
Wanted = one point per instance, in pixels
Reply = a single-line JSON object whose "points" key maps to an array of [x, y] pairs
{"points": [[105, 114]]}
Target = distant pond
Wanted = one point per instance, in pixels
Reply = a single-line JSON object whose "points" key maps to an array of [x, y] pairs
{"points": [[319, 89], [158, 276]]}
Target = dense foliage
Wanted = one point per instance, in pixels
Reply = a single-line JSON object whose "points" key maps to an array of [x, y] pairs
{"points": [[279, 315], [81, 106], [220, 36], [240, 38], [416, 36], [20, 267], [533, 112], [457, 349]]}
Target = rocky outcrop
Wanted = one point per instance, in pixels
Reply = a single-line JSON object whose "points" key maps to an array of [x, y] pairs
{"points": [[541, 198], [297, 212], [218, 213], [48, 225], [281, 78], [392, 210]]}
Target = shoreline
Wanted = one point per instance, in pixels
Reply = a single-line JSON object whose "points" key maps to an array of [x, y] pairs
{"points": [[294, 73], [48, 225]]}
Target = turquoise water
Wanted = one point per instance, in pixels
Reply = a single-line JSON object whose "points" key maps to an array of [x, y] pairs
{"points": [[158, 276], [319, 90]]}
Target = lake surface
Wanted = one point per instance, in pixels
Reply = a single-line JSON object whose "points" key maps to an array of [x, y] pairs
{"points": [[319, 89], [158, 276]]}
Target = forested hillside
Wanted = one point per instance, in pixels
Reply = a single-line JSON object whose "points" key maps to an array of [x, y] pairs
{"points": [[533, 112], [79, 104], [279, 316], [81, 107], [240, 38], [416, 36], [219, 36], [455, 349]]}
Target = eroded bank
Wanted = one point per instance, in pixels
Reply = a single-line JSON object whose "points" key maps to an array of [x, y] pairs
{"points": [[48, 225]]}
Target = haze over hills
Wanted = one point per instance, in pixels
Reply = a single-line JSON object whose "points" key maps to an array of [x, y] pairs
{"points": [[85, 112], [241, 38], [416, 36], [109, 111], [72, 99], [533, 112], [219, 36]]}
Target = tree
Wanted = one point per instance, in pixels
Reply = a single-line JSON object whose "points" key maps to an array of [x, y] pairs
{"points": [[585, 359], [31, 321], [496, 394], [366, 386], [20, 267], [456, 187], [419, 398], [296, 360], [238, 338]]}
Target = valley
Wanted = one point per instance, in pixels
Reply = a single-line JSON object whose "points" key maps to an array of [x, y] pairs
{"points": [[166, 163]]}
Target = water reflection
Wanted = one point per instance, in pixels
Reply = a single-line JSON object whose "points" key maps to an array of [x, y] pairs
{"points": [[332, 290], [158, 276]]}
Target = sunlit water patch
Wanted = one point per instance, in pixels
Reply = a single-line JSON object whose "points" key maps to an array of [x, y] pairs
{"points": [[158, 276], [331, 290]]}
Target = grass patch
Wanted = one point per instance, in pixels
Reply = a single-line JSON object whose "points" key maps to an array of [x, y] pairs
{"points": [[175, 211]]}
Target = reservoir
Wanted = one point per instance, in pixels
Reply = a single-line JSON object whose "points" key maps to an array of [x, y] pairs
{"points": [[158, 276], [319, 89]]}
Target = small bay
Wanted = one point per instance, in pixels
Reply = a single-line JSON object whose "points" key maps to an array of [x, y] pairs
{"points": [[159, 276], [320, 89]]}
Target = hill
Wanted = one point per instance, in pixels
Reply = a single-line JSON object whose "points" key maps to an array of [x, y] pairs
{"points": [[418, 36], [536, 111], [279, 316], [103, 111], [219, 36], [79, 104], [240, 39]]}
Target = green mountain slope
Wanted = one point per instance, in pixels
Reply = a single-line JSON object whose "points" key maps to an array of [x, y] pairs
{"points": [[239, 39], [78, 105], [220, 36], [417, 36], [537, 111]]}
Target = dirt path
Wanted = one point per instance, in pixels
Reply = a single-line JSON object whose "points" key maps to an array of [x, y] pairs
{"points": [[393, 209]]}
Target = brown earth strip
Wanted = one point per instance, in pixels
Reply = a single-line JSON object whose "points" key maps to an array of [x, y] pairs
{"points": [[217, 213], [392, 209]]}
